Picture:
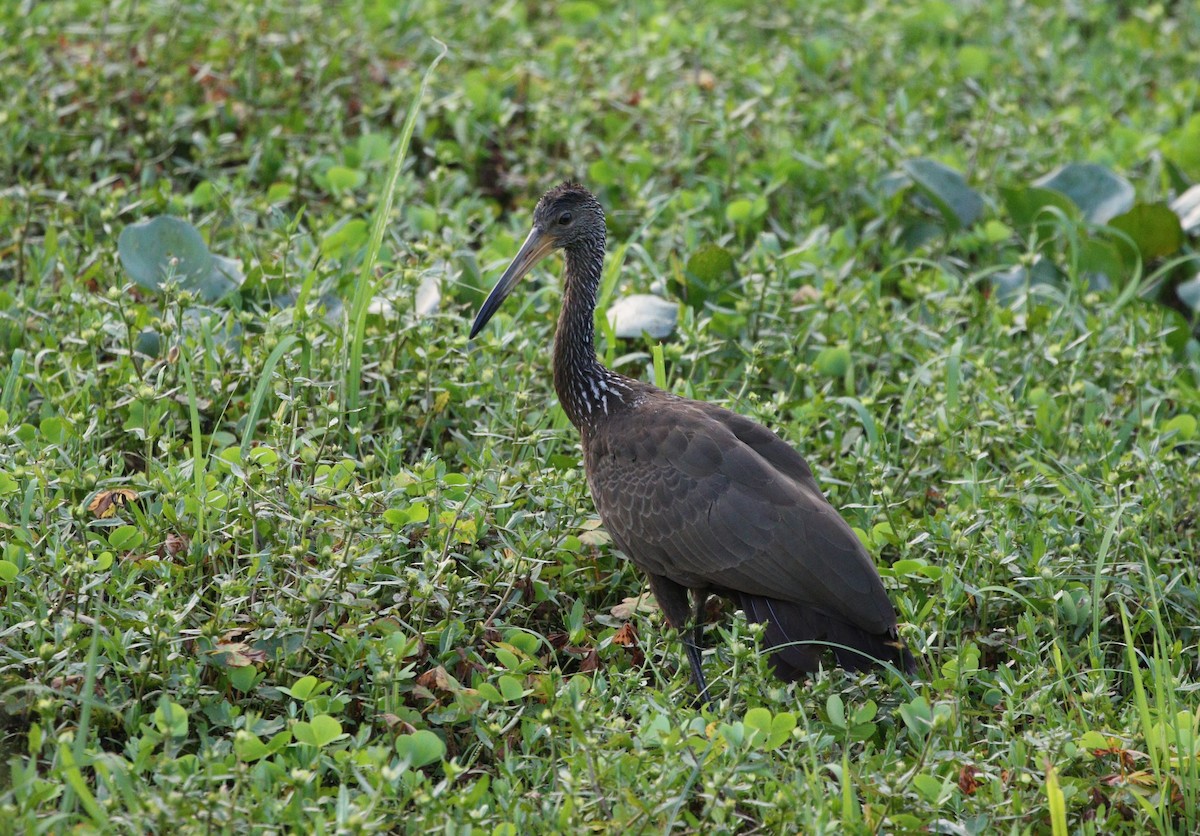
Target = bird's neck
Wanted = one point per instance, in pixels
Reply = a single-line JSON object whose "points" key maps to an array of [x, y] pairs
{"points": [[586, 389]]}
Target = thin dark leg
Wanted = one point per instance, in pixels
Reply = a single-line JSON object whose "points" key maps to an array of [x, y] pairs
{"points": [[693, 654], [693, 641]]}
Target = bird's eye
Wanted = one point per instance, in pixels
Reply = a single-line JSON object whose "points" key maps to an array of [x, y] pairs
{"points": [[564, 218]]}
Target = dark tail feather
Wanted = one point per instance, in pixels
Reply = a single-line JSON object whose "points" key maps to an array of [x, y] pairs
{"points": [[787, 622]]}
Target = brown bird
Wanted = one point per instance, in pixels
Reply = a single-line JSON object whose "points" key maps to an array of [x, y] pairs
{"points": [[701, 498]]}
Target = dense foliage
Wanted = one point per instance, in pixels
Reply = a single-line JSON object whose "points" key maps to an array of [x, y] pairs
{"points": [[280, 546]]}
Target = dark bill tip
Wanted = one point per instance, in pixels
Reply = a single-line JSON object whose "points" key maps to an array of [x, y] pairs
{"points": [[536, 247]]}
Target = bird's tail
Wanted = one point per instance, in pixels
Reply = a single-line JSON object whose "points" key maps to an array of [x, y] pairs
{"points": [[855, 648]]}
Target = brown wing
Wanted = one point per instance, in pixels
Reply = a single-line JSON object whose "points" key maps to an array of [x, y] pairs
{"points": [[708, 498]]}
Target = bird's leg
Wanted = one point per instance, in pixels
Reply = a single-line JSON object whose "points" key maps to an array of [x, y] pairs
{"points": [[692, 643]]}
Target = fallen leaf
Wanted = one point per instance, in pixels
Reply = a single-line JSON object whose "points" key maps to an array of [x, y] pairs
{"points": [[591, 662], [437, 679], [804, 294], [967, 780], [176, 544], [238, 655], [641, 603]]}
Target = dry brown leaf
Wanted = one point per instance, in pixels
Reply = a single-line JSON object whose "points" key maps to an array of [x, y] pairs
{"points": [[805, 294], [592, 533], [176, 544], [591, 662], [437, 679], [968, 781], [239, 654], [642, 603]]}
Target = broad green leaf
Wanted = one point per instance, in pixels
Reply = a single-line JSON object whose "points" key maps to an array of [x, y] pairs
{"points": [[171, 718], [320, 731], [1101, 194], [1009, 285], [959, 204], [304, 687], [833, 361], [152, 249], [148, 343], [420, 748], [1153, 227], [341, 178], [1182, 146], [1182, 426], [125, 538], [1026, 204], [758, 722], [374, 148], [836, 709], [708, 273], [507, 658], [248, 747], [243, 678], [510, 688], [742, 212], [782, 727], [1101, 262], [345, 238], [8, 571]]}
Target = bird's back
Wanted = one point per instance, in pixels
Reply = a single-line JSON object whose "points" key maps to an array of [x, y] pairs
{"points": [[709, 499]]}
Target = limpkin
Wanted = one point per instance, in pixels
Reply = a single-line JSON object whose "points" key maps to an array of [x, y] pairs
{"points": [[701, 498]]}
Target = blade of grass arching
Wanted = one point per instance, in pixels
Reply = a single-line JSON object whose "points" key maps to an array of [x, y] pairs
{"points": [[9, 394], [264, 386], [660, 367], [613, 271], [1097, 576], [198, 460], [70, 758], [1057, 803], [365, 288], [1157, 759]]}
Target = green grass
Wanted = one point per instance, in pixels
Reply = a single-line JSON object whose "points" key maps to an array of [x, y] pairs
{"points": [[361, 586]]}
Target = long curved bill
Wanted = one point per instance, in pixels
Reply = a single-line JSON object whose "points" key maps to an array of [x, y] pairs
{"points": [[536, 247]]}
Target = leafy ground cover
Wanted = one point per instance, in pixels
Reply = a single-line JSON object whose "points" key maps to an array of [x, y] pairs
{"points": [[280, 547]]}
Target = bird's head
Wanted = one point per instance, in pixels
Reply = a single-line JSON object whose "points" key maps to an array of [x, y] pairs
{"points": [[567, 217]]}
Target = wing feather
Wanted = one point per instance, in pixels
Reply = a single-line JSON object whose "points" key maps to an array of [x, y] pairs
{"points": [[708, 498]]}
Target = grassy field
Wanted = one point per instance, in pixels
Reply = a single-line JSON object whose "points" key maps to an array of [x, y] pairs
{"points": [[301, 556]]}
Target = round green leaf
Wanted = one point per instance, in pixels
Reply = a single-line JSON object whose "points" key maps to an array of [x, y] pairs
{"points": [[1154, 228], [342, 179], [833, 361], [420, 748], [8, 571], [155, 248], [125, 538], [959, 204], [148, 343], [1183, 426], [1025, 204], [1101, 194]]}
